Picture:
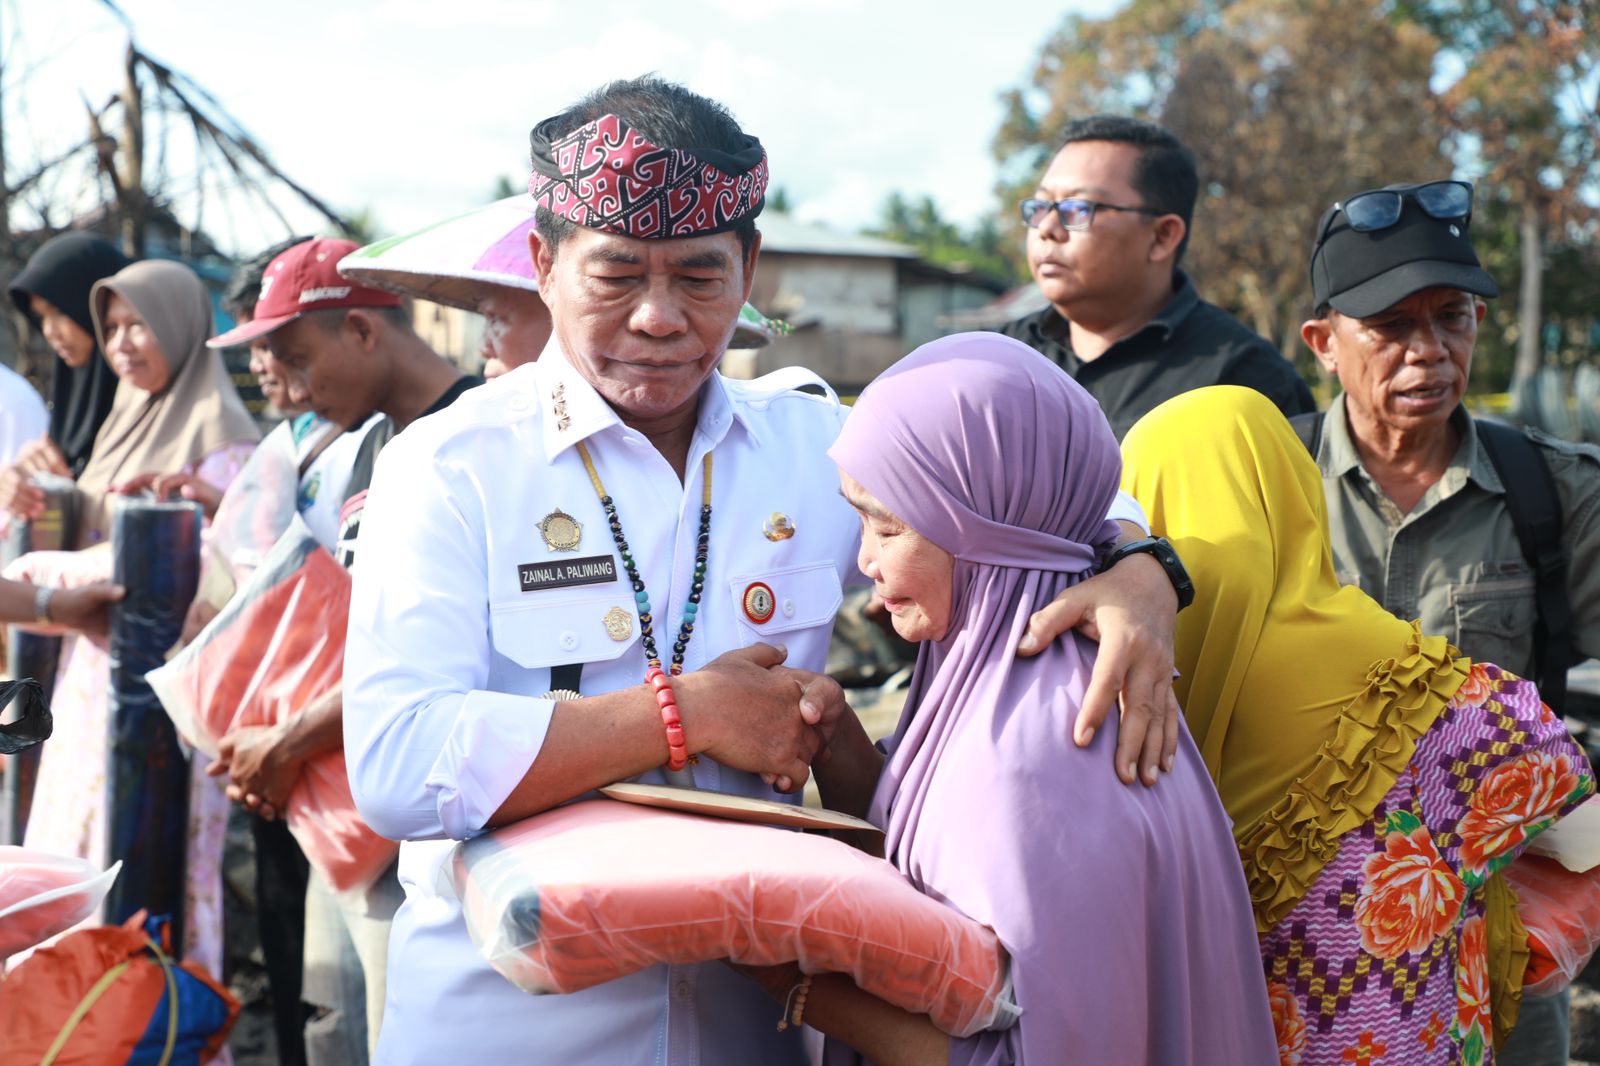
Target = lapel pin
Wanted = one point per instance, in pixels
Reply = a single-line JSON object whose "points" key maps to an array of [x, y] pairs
{"points": [[778, 527], [561, 532]]}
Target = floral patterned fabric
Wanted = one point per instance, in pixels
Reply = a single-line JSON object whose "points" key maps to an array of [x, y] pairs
{"points": [[1385, 960]]}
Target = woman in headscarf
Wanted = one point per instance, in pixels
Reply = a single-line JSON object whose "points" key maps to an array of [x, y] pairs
{"points": [[176, 411], [982, 474], [1377, 783], [53, 292]]}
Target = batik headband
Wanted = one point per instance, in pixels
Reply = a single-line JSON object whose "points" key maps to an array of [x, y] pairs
{"points": [[606, 175]]}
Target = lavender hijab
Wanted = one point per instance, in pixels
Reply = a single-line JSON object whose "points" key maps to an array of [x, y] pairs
{"points": [[1123, 908]]}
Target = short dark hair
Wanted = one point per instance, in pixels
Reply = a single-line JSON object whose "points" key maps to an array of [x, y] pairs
{"points": [[329, 319], [244, 288], [1164, 176], [666, 113]]}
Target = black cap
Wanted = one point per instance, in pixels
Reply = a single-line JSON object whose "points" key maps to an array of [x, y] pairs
{"points": [[1360, 274]]}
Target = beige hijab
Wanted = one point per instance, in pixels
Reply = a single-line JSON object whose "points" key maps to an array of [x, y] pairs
{"points": [[197, 413]]}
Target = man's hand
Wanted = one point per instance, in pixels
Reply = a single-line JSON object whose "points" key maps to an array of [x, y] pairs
{"points": [[179, 486], [261, 770], [199, 615], [1132, 611], [747, 715], [86, 609]]}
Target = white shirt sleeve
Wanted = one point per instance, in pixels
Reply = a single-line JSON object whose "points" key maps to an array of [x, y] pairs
{"points": [[23, 417], [430, 751], [1126, 509]]}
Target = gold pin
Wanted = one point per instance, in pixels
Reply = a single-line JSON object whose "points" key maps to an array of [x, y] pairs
{"points": [[618, 623], [561, 532], [778, 526], [559, 694], [559, 395]]}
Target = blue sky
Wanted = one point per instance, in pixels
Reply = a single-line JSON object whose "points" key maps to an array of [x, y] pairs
{"points": [[412, 108]]}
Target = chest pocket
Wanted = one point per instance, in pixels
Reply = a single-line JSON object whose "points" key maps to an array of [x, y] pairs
{"points": [[1494, 620], [580, 626], [782, 601]]}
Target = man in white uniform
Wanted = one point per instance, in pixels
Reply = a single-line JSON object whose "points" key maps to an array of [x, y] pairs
{"points": [[614, 505]]}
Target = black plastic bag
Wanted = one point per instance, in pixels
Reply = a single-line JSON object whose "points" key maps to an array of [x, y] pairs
{"points": [[157, 552]]}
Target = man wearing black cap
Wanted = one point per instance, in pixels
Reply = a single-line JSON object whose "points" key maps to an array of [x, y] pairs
{"points": [[1424, 503]]}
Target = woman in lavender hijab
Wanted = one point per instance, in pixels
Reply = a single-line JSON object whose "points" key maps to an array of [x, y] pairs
{"points": [[982, 474]]}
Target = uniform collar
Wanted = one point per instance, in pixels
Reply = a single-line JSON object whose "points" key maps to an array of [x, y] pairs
{"points": [[571, 410]]}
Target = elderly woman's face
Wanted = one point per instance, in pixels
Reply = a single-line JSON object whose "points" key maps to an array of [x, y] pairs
{"points": [[132, 348], [912, 574]]}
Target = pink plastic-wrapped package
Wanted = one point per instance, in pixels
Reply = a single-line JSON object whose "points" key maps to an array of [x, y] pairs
{"points": [[43, 894], [275, 649], [1561, 910], [600, 889]]}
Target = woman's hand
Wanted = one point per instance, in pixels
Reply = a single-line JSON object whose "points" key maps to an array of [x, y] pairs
{"points": [[181, 486], [1132, 611], [18, 494]]}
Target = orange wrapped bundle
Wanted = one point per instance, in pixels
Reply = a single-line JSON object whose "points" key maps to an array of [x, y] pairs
{"points": [[274, 649], [43, 894], [600, 889], [1561, 910]]}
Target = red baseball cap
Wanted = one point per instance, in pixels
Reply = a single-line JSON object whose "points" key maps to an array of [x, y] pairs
{"points": [[304, 278]]}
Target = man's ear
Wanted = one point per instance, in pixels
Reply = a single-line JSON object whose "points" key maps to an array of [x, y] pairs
{"points": [[362, 326], [543, 256], [1318, 335], [1168, 231], [750, 259]]}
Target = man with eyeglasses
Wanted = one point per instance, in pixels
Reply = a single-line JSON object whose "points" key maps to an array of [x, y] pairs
{"points": [[1424, 502], [1107, 229]]}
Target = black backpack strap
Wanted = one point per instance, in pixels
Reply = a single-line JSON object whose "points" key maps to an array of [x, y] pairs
{"points": [[1536, 514], [1308, 428]]}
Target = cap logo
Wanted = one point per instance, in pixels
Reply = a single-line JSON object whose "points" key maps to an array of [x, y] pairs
{"points": [[327, 292], [266, 283]]}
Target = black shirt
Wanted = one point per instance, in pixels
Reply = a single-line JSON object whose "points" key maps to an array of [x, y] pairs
{"points": [[355, 494], [1189, 345]]}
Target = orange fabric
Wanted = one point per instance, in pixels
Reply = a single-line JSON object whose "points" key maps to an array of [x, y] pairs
{"points": [[598, 890], [270, 654], [39, 998], [1561, 910]]}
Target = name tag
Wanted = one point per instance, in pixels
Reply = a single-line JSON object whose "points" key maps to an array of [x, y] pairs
{"points": [[590, 570]]}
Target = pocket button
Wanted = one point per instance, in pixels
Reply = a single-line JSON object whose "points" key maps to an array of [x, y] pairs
{"points": [[569, 640], [788, 608]]}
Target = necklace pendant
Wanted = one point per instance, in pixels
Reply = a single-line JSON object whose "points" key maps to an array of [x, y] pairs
{"points": [[561, 532]]}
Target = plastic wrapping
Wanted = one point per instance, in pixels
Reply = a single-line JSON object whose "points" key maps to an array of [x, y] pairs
{"points": [[43, 894], [273, 650], [1561, 910], [257, 507], [33, 654], [113, 995], [156, 547], [600, 889]]}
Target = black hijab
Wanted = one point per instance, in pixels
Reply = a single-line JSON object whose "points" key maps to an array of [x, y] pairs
{"points": [[63, 271]]}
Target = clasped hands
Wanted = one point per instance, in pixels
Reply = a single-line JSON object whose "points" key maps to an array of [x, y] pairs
{"points": [[759, 715]]}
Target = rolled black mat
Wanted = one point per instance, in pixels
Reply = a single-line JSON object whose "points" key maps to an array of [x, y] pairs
{"points": [[30, 654], [157, 549]]}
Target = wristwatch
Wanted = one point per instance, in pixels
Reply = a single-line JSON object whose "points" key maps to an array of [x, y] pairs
{"points": [[1167, 556]]}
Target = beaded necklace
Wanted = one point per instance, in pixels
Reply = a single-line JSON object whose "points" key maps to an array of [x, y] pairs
{"points": [[661, 680]]}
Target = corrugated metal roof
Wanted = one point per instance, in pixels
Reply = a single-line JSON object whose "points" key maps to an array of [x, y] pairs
{"points": [[788, 235]]}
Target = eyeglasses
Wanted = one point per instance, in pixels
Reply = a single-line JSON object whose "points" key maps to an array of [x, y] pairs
{"points": [[1075, 214], [1378, 209]]}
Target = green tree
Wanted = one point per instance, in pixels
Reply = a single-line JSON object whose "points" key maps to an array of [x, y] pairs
{"points": [[503, 188], [983, 250]]}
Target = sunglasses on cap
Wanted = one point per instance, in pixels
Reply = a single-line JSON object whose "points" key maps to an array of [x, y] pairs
{"points": [[1378, 209]]}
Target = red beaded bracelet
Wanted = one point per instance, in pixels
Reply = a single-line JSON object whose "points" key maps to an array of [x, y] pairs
{"points": [[677, 746]]}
